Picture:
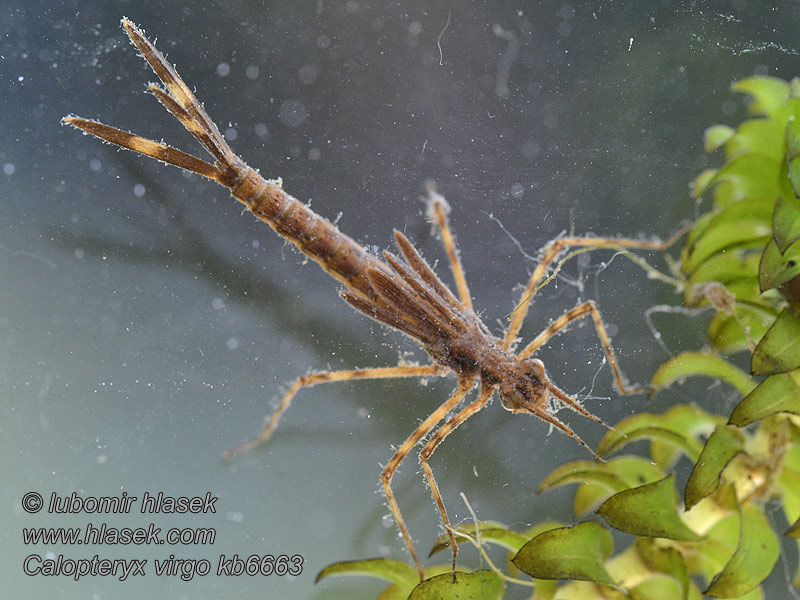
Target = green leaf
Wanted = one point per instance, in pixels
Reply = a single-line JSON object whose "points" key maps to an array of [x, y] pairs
{"points": [[702, 182], [688, 419], [598, 480], [786, 220], [646, 426], [777, 393], [792, 140], [668, 561], [657, 587], [384, 568], [789, 482], [732, 269], [736, 226], [480, 585], [751, 176], [729, 333], [779, 350], [710, 556], [568, 553], [704, 516], [776, 269], [792, 219], [754, 558], [717, 518], [632, 470], [715, 136], [794, 175], [757, 136], [689, 364], [495, 533], [721, 447], [650, 510], [582, 471], [754, 594], [769, 94], [543, 589], [393, 592]]}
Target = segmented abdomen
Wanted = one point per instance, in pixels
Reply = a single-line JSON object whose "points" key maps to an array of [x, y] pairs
{"points": [[340, 255]]}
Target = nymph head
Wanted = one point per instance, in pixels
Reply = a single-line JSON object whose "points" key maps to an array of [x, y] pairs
{"points": [[526, 388]]}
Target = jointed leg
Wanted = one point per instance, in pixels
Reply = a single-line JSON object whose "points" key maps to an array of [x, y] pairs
{"points": [[564, 320], [547, 417], [439, 208], [464, 386], [430, 447], [328, 377], [553, 250]]}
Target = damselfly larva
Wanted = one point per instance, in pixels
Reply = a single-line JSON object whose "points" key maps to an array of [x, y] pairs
{"points": [[402, 292]]}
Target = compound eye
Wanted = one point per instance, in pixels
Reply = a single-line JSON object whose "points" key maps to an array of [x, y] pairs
{"points": [[535, 369]]}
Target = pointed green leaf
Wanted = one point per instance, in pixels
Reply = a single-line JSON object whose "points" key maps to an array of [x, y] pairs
{"points": [[394, 592], [541, 528], [754, 594], [789, 481], [717, 518], [776, 269], [650, 510], [729, 269], [779, 350], [734, 227], [757, 136], [704, 516], [637, 428], [769, 94], [688, 364], [685, 418], [793, 160], [794, 176], [656, 587], [383, 568], [668, 561], [480, 585], [730, 333], [702, 181], [581, 471], [777, 393], [598, 480], [752, 176], [709, 557], [786, 218], [632, 470], [543, 589], [494, 533], [715, 136], [792, 140], [721, 447], [754, 558], [568, 553]]}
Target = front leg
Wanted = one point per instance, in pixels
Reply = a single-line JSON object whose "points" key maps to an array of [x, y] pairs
{"points": [[430, 447], [464, 386]]}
